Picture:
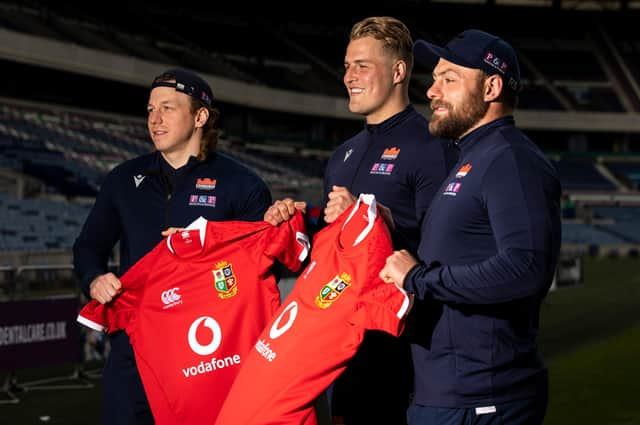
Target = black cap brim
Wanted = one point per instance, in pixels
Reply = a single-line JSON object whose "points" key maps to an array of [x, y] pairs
{"points": [[427, 55]]}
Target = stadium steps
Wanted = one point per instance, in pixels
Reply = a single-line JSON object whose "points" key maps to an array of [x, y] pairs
{"points": [[614, 232], [606, 173]]}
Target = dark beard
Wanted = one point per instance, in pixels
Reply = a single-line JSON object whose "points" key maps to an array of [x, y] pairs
{"points": [[459, 121]]}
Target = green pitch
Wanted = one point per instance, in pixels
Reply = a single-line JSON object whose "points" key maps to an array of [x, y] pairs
{"points": [[591, 339]]}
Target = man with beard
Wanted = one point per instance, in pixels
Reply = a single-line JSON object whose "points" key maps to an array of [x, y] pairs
{"points": [[488, 250]]}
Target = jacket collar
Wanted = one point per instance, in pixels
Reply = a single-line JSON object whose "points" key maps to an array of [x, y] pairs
{"points": [[465, 142], [390, 122]]}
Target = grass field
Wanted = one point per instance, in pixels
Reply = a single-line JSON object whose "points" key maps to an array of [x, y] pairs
{"points": [[63, 406], [598, 383], [590, 337], [591, 340]]}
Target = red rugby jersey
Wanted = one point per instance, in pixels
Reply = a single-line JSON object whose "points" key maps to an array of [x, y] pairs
{"points": [[321, 323], [193, 307]]}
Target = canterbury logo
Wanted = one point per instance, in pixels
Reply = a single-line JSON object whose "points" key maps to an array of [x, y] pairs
{"points": [[170, 296], [347, 154], [216, 336]]}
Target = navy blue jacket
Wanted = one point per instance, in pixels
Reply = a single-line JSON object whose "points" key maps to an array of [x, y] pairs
{"points": [[400, 163], [142, 197], [490, 244]]}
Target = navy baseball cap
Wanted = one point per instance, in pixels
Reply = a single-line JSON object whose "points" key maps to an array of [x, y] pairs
{"points": [[187, 82], [474, 49]]}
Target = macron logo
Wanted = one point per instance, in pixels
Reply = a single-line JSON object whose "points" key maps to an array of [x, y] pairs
{"points": [[138, 179]]}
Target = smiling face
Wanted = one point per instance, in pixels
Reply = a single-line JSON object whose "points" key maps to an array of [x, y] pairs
{"points": [[171, 122], [457, 100], [369, 79]]}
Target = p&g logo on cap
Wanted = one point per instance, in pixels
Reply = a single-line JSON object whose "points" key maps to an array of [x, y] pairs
{"points": [[496, 62]]}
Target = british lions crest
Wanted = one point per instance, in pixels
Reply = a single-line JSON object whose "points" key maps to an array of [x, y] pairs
{"points": [[332, 290], [225, 280]]}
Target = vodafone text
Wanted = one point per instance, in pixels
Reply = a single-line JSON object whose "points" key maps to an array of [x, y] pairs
{"points": [[265, 351], [211, 365]]}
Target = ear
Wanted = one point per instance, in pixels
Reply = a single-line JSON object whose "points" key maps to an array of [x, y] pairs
{"points": [[492, 87], [202, 115], [399, 71]]}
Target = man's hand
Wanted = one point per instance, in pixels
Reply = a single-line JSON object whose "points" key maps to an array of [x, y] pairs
{"points": [[104, 287], [171, 231], [397, 266], [339, 200], [283, 210]]}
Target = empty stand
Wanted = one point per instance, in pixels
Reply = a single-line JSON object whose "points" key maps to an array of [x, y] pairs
{"points": [[580, 233], [581, 174], [626, 171], [624, 222], [39, 224]]}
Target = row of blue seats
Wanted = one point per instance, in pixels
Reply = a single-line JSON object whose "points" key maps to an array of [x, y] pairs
{"points": [[25, 226]]}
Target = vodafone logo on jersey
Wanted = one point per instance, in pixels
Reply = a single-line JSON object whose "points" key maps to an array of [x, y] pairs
{"points": [[216, 336], [279, 327], [204, 343], [171, 298]]}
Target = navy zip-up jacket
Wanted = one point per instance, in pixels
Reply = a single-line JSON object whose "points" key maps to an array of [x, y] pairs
{"points": [[490, 244], [400, 163]]}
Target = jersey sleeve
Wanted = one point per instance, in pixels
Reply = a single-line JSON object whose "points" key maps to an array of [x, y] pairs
{"points": [[381, 306], [93, 315], [288, 242], [384, 308], [116, 315], [108, 317]]}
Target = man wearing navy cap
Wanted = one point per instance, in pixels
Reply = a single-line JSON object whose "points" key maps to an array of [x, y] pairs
{"points": [[146, 198], [489, 247]]}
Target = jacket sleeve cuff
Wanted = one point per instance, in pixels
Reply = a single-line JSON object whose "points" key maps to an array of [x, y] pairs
{"points": [[86, 280], [419, 276]]}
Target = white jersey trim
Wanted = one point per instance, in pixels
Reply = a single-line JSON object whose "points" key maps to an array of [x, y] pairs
{"points": [[199, 224], [369, 200], [90, 324]]}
